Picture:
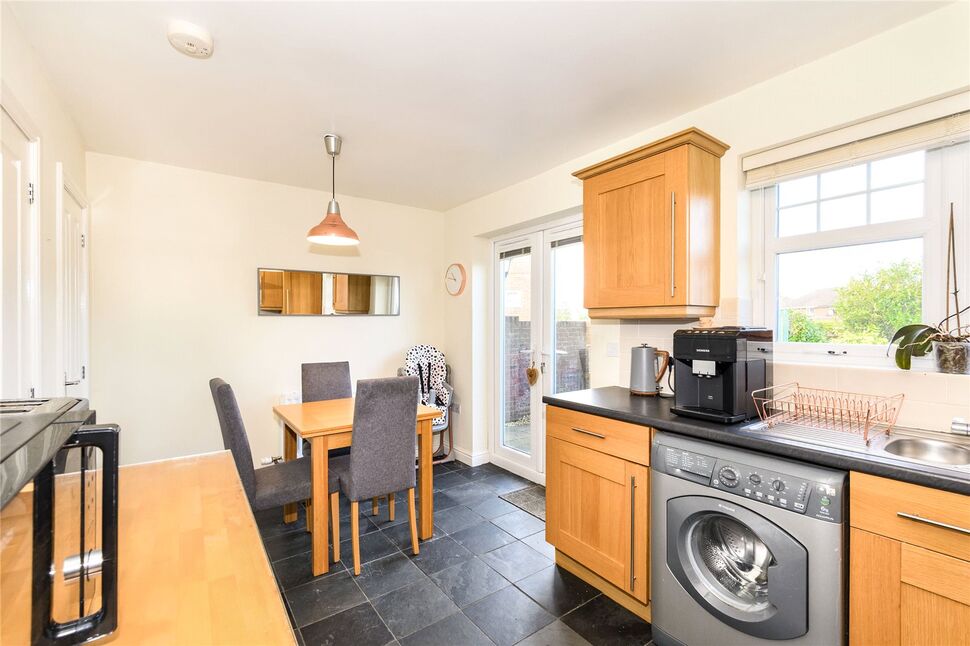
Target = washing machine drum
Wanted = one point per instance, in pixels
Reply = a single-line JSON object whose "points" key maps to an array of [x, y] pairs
{"points": [[739, 566]]}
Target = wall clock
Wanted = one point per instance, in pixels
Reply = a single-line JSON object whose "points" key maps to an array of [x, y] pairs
{"points": [[455, 278]]}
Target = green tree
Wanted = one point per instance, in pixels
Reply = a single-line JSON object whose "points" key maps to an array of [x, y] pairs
{"points": [[871, 307], [802, 329]]}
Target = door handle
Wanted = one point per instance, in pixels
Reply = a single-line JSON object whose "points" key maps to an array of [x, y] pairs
{"points": [[633, 524], [673, 237], [934, 523]]}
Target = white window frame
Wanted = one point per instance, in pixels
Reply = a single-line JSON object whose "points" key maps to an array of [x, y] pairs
{"points": [[942, 185]]}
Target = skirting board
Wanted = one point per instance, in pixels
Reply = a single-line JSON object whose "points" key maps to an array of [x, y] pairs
{"points": [[518, 469], [471, 459]]}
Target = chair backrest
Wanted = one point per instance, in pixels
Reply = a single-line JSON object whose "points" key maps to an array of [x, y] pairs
{"points": [[428, 363], [384, 439], [322, 381], [234, 435]]}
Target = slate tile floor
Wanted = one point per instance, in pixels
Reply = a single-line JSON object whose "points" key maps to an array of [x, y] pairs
{"points": [[487, 577]]}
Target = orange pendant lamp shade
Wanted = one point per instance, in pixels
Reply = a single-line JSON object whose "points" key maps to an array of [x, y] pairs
{"points": [[332, 230]]}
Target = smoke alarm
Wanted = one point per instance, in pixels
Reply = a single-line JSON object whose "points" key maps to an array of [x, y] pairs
{"points": [[191, 40]]}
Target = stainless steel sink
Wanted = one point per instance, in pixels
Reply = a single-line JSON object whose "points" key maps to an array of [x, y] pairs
{"points": [[927, 450]]}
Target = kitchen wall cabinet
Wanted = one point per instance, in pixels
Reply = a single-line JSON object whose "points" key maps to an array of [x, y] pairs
{"points": [[651, 228], [351, 293], [271, 290], [909, 565], [302, 292], [597, 503]]}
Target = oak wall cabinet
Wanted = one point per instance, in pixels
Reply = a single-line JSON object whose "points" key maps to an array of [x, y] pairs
{"points": [[597, 503], [351, 293], [302, 292], [909, 564], [651, 230]]}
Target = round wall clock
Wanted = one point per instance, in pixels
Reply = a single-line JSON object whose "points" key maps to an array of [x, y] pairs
{"points": [[455, 278]]}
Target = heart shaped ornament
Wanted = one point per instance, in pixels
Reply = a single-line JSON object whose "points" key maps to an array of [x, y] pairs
{"points": [[532, 374]]}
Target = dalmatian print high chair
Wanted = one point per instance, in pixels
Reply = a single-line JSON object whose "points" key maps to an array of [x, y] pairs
{"points": [[427, 363]]}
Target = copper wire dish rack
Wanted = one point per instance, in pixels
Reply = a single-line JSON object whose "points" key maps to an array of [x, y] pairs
{"points": [[830, 410]]}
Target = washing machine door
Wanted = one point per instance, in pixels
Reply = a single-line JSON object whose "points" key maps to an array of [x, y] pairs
{"points": [[739, 566]]}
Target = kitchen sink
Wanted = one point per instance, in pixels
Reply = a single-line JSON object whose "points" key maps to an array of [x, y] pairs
{"points": [[927, 450]]}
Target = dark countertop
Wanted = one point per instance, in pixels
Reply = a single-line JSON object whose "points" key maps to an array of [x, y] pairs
{"points": [[617, 403]]}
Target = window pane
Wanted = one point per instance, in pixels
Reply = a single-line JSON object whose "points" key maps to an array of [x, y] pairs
{"points": [[843, 212], [855, 294], [570, 359], [899, 169], [515, 283], [903, 203], [844, 181], [797, 191], [796, 220]]}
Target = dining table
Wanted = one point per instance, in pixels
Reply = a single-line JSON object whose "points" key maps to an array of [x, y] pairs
{"points": [[329, 424]]}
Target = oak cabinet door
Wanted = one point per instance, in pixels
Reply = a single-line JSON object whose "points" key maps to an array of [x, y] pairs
{"points": [[597, 513]]}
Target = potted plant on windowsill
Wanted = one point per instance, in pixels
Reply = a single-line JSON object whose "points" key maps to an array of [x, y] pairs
{"points": [[950, 338]]}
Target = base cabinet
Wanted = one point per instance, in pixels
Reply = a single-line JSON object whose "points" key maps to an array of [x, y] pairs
{"points": [[909, 580], [597, 504]]}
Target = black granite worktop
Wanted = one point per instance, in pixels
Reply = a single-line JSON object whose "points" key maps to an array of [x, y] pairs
{"points": [[617, 403]]}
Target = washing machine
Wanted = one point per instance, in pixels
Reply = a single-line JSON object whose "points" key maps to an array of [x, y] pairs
{"points": [[746, 548]]}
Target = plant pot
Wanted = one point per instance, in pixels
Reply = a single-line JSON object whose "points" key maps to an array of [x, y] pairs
{"points": [[953, 357]]}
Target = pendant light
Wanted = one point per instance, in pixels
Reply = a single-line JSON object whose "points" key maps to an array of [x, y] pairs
{"points": [[332, 230]]}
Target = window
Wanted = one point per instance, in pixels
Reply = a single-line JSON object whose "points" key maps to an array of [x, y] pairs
{"points": [[854, 252]]}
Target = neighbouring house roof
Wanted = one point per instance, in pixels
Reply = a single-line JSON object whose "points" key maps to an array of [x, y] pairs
{"points": [[818, 298]]}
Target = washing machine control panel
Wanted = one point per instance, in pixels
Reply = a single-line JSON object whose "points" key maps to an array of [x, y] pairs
{"points": [[816, 499]]}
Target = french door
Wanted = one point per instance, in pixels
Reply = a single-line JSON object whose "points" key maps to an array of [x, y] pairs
{"points": [[541, 339]]}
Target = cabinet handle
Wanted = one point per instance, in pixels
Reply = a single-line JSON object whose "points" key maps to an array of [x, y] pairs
{"points": [[673, 236], [633, 523], [585, 432], [934, 523]]}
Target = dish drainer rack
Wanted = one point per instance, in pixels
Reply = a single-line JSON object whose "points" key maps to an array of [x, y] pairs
{"points": [[830, 410]]}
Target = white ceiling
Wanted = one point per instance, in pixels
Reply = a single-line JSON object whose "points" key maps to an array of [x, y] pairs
{"points": [[438, 103]]}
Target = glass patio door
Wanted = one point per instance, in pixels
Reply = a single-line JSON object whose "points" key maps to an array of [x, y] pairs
{"points": [[542, 338]]}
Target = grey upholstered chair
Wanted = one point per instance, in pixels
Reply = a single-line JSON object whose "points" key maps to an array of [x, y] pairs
{"points": [[322, 381], [271, 486], [381, 459]]}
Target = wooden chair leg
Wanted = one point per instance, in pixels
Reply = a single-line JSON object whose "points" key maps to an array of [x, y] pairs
{"points": [[412, 517], [390, 507], [309, 515], [355, 535], [374, 508], [335, 524]]}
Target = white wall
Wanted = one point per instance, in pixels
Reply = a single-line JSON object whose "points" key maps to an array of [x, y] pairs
{"points": [[174, 258], [915, 61], [26, 90]]}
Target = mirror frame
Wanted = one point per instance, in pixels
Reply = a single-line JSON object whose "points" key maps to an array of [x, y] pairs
{"points": [[260, 312]]}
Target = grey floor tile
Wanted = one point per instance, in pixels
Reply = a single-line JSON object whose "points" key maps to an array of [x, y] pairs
{"points": [[516, 561], [469, 581], [439, 554], [520, 523], [508, 616], [538, 542], [444, 481], [454, 630], [388, 574], [400, 535], [382, 519], [481, 472], [456, 518], [505, 482], [555, 634], [360, 625], [493, 507], [411, 608], [372, 546], [287, 545], [482, 537], [270, 521], [557, 590], [364, 524], [470, 494], [323, 597], [603, 622], [297, 570]]}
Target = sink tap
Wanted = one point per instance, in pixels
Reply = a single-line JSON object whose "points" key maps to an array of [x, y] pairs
{"points": [[960, 426]]}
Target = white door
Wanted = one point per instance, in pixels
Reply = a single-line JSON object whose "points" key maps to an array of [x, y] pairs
{"points": [[541, 326], [72, 260], [20, 266]]}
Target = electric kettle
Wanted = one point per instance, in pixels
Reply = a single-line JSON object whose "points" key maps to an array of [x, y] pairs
{"points": [[646, 370]]}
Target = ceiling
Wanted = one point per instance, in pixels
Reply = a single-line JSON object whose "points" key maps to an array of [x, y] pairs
{"points": [[438, 103]]}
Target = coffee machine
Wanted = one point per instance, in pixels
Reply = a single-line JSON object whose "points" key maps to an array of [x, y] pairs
{"points": [[716, 369]]}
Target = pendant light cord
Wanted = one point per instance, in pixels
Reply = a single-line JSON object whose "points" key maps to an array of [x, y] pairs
{"points": [[333, 177]]}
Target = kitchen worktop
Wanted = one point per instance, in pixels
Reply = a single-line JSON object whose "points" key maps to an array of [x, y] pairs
{"points": [[615, 402]]}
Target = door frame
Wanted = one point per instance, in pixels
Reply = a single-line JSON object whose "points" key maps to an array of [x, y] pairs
{"points": [[64, 184], [31, 133], [538, 236]]}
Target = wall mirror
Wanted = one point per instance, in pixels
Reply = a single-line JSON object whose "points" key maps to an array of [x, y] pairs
{"points": [[287, 292]]}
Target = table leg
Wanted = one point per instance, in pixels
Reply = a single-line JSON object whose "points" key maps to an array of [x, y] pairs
{"points": [[424, 479], [319, 466], [289, 453]]}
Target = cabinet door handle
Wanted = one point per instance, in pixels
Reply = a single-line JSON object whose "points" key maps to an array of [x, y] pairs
{"points": [[585, 432], [633, 523], [673, 236], [934, 523]]}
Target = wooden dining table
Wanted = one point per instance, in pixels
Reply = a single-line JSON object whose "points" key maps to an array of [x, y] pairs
{"points": [[329, 425]]}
